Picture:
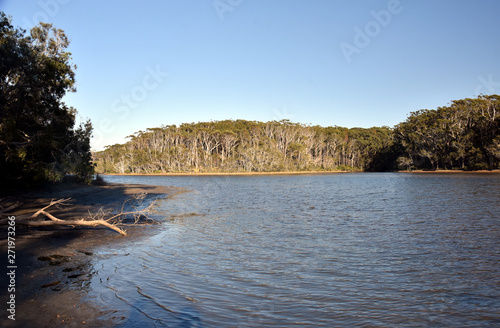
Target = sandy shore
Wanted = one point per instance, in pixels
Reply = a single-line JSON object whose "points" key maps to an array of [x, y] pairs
{"points": [[288, 173], [54, 264], [230, 173], [451, 171]]}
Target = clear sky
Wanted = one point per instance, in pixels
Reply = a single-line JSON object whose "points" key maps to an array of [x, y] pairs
{"points": [[144, 64]]}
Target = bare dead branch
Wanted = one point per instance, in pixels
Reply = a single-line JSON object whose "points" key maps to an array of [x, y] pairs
{"points": [[52, 203], [10, 208], [81, 222], [100, 218]]}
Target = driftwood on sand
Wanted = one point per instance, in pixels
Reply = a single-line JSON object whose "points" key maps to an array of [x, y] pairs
{"points": [[113, 221]]}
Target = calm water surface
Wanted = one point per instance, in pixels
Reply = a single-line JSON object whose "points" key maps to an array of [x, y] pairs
{"points": [[371, 250]]}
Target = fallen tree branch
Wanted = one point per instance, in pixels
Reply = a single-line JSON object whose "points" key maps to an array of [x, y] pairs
{"points": [[81, 222], [98, 219], [10, 208], [52, 203]]}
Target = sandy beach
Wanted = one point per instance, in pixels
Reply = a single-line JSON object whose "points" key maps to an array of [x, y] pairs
{"points": [[54, 263]]}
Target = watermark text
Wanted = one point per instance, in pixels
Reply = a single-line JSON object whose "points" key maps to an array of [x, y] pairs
{"points": [[49, 9], [223, 6], [11, 267], [363, 36]]}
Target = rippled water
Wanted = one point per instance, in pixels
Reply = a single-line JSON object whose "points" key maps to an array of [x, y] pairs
{"points": [[375, 250]]}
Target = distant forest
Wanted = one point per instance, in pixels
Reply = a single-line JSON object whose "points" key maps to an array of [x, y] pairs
{"points": [[40, 141], [462, 136]]}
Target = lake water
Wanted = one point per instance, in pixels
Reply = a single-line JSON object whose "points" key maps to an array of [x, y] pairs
{"points": [[338, 250]]}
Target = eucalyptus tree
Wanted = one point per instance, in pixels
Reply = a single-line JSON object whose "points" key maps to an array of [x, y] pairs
{"points": [[38, 137], [464, 135]]}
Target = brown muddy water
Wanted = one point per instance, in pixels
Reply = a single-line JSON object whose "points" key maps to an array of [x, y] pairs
{"points": [[339, 250]]}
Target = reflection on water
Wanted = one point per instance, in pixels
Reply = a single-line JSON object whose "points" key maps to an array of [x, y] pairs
{"points": [[375, 250]]}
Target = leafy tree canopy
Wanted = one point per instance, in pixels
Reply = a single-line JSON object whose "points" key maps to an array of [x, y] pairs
{"points": [[38, 137], [465, 135]]}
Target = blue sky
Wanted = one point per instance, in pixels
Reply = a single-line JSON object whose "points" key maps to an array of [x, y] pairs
{"points": [[143, 64]]}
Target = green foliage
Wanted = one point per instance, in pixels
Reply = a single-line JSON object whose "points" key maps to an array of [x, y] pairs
{"points": [[38, 141], [244, 146], [464, 135]]}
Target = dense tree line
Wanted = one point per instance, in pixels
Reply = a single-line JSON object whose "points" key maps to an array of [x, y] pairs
{"points": [[40, 142], [464, 135], [38, 137], [245, 146]]}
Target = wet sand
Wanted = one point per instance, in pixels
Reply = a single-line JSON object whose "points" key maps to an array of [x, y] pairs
{"points": [[54, 264]]}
